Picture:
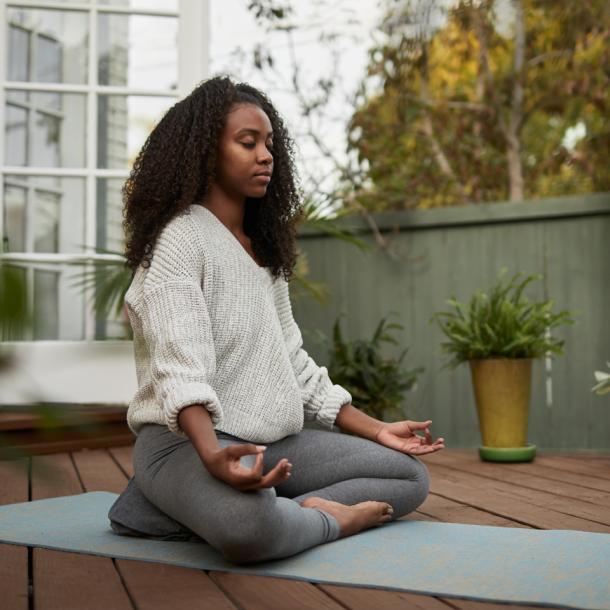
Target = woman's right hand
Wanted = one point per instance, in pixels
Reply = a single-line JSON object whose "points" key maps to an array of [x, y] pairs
{"points": [[224, 464]]}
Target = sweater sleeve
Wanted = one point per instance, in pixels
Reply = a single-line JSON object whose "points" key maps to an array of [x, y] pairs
{"points": [[177, 332], [176, 327], [322, 400]]}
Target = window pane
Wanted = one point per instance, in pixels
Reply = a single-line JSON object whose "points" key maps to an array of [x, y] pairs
{"points": [[13, 217], [46, 305], [110, 234], [15, 130], [19, 53], [138, 51], [59, 42], [48, 67], [124, 123], [53, 210], [46, 221], [45, 129], [163, 5]]}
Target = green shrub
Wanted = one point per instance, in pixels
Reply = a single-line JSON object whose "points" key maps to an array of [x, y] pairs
{"points": [[503, 324], [377, 384]]}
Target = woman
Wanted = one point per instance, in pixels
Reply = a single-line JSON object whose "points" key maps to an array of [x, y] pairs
{"points": [[224, 385]]}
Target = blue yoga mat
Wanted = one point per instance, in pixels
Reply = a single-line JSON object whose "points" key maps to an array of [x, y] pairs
{"points": [[547, 567]]}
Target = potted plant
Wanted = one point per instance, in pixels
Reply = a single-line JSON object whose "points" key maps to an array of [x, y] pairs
{"points": [[499, 334], [377, 383]]}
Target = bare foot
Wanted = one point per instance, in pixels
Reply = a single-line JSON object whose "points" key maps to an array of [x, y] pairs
{"points": [[355, 518]]}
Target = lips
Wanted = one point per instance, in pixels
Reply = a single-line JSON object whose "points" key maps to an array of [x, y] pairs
{"points": [[268, 174]]}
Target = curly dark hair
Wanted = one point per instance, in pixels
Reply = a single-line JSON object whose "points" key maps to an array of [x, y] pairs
{"points": [[178, 161]]}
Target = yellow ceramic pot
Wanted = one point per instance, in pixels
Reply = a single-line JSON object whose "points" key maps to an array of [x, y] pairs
{"points": [[502, 389]]}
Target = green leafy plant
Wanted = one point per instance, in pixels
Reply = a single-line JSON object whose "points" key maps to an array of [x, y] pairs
{"points": [[377, 384], [501, 324], [603, 382], [109, 280]]}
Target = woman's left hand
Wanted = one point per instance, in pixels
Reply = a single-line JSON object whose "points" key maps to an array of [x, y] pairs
{"points": [[400, 435]]}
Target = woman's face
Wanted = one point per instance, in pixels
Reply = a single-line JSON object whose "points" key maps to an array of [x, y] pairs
{"points": [[245, 151]]}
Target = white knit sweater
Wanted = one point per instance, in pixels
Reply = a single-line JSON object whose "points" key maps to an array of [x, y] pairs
{"points": [[212, 327]]}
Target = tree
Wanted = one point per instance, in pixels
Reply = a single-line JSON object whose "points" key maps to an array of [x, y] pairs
{"points": [[485, 101]]}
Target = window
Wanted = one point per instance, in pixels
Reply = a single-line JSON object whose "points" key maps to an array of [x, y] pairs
{"points": [[82, 85]]}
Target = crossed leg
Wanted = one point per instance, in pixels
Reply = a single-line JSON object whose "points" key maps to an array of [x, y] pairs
{"points": [[348, 469], [271, 523]]}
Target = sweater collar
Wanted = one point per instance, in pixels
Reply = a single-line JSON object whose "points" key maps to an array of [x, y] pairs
{"points": [[265, 271]]}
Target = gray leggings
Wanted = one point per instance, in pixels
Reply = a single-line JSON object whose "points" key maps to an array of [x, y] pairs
{"points": [[264, 524]]}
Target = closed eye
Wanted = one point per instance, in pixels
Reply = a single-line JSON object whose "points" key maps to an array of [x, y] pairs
{"points": [[253, 144]]}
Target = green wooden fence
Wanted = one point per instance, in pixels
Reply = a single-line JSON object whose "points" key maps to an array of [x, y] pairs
{"points": [[437, 253]]}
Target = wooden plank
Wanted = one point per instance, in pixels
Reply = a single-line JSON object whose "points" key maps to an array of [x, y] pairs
{"points": [[590, 466], [155, 586], [451, 511], [124, 458], [62, 580], [365, 599], [527, 477], [62, 440], [26, 419], [270, 593], [359, 598], [506, 500], [554, 474], [98, 471], [13, 558]]}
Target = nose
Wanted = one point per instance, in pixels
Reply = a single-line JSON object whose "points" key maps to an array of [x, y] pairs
{"points": [[265, 157]]}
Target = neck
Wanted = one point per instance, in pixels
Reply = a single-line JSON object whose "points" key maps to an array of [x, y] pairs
{"points": [[230, 210]]}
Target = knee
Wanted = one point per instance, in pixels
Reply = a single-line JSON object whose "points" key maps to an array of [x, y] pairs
{"points": [[422, 483], [247, 532]]}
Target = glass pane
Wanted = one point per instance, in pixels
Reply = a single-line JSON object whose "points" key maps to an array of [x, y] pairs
{"points": [[46, 305], [110, 234], [138, 51], [59, 306], [15, 130], [123, 125], [44, 214], [13, 218], [19, 53], [46, 221], [48, 66], [162, 5], [59, 43], [45, 129]]}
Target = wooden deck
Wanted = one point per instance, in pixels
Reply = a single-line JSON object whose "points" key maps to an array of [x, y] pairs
{"points": [[556, 491]]}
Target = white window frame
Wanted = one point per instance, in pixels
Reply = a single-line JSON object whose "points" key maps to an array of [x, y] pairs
{"points": [[193, 67]]}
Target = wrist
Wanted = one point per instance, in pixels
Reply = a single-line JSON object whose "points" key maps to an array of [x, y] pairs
{"points": [[357, 422]]}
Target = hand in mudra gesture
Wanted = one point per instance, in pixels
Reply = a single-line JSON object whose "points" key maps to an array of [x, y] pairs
{"points": [[224, 464], [401, 435]]}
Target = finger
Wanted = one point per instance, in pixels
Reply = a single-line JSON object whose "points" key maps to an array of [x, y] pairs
{"points": [[252, 474], [419, 425], [277, 474]]}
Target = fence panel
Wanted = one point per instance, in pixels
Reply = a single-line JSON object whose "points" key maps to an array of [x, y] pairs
{"points": [[454, 251]]}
